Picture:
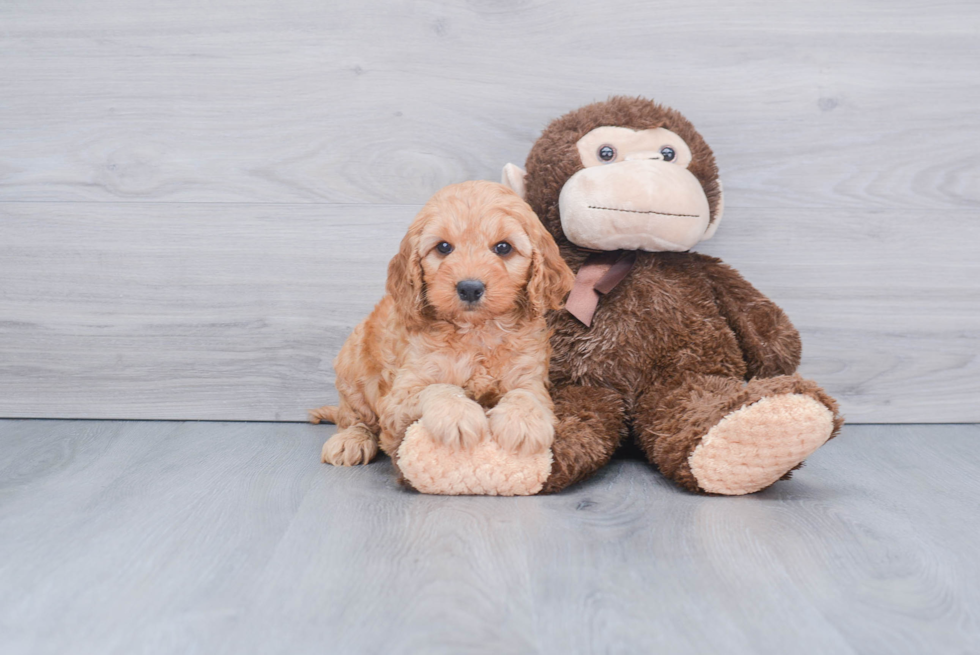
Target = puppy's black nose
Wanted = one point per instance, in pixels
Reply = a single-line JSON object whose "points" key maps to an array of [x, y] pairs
{"points": [[470, 290]]}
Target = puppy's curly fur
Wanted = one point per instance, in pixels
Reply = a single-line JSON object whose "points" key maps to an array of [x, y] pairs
{"points": [[466, 370]]}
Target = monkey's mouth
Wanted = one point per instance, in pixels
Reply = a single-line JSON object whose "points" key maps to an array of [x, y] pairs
{"points": [[638, 211]]}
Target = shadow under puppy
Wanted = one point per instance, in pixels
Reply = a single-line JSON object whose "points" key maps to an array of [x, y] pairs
{"points": [[457, 349]]}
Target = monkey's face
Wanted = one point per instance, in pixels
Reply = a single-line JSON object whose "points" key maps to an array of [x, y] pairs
{"points": [[634, 193]]}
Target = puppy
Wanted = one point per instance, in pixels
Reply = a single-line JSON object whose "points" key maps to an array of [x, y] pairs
{"points": [[459, 341]]}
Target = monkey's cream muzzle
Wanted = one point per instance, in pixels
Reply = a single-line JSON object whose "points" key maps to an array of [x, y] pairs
{"points": [[642, 204]]}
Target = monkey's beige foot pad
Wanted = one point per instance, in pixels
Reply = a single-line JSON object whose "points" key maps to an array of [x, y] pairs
{"points": [[756, 445], [483, 470]]}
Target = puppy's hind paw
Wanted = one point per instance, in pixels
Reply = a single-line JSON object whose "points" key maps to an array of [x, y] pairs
{"points": [[350, 447]]}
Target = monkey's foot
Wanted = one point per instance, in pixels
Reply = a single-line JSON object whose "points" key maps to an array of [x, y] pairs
{"points": [[756, 445], [485, 469]]}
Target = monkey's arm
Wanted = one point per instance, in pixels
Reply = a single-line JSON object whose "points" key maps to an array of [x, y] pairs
{"points": [[769, 342]]}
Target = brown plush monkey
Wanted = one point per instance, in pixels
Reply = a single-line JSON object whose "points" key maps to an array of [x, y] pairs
{"points": [[670, 346]]}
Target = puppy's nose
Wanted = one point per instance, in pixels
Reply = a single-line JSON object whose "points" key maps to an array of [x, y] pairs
{"points": [[470, 290]]}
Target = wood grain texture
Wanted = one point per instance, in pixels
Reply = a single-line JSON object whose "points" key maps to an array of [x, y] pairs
{"points": [[121, 537], [217, 311], [858, 104], [180, 234], [184, 311]]}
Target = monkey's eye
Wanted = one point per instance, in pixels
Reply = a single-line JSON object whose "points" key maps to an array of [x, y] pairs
{"points": [[606, 152], [444, 247], [503, 248], [668, 153]]}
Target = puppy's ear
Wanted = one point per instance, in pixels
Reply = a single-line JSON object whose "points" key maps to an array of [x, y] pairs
{"points": [[404, 283], [550, 278]]}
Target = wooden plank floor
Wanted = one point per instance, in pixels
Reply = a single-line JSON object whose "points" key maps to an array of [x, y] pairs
{"points": [[123, 537]]}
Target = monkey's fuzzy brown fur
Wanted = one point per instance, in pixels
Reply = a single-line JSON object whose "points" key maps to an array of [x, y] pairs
{"points": [[672, 346]]}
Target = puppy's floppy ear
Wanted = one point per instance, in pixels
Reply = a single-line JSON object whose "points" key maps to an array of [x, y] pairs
{"points": [[550, 279], [405, 280]]}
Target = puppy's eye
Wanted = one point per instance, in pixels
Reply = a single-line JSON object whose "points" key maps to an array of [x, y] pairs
{"points": [[668, 153], [606, 153], [503, 248], [444, 247]]}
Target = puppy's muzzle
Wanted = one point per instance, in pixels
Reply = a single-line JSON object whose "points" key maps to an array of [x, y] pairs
{"points": [[470, 291]]}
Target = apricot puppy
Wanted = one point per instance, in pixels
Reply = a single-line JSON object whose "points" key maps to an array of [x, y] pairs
{"points": [[459, 343]]}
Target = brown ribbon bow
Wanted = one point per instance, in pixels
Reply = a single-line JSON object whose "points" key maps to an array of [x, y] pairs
{"points": [[600, 273]]}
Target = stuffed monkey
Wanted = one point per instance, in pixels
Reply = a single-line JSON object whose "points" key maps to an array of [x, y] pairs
{"points": [[669, 346], [656, 342]]}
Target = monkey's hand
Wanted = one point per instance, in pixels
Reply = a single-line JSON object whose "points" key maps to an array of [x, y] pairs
{"points": [[485, 469]]}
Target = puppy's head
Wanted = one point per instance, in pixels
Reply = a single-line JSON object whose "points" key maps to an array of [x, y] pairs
{"points": [[477, 251]]}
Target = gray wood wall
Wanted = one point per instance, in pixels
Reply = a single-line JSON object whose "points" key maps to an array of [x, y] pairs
{"points": [[197, 200]]}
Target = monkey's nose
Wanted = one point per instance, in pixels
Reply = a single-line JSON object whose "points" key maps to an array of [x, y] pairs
{"points": [[470, 290]]}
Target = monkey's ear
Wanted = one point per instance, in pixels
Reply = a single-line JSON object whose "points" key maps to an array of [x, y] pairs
{"points": [[513, 177], [719, 210]]}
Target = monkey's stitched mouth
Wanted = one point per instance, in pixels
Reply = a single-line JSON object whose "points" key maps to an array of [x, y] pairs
{"points": [[637, 211]]}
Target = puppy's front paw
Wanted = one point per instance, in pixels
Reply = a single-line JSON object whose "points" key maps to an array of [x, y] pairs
{"points": [[521, 424], [455, 420], [350, 447]]}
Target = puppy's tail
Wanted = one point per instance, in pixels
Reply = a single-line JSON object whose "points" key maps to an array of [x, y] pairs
{"points": [[327, 413]]}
